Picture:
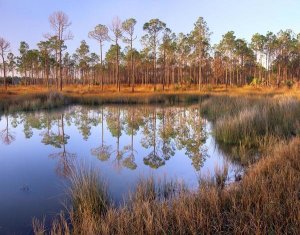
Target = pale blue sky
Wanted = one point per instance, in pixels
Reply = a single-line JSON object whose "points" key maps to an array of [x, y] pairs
{"points": [[28, 19]]}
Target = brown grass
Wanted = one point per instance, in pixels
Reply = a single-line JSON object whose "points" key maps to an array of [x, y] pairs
{"points": [[265, 117], [266, 201], [110, 90], [30, 98]]}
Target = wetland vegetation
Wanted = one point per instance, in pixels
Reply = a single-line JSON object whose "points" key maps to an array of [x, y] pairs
{"points": [[157, 132], [241, 176]]}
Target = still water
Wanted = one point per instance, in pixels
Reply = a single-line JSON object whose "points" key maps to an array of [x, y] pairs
{"points": [[125, 143]]}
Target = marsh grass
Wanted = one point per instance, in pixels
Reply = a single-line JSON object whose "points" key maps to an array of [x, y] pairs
{"points": [[216, 179], [89, 197], [221, 175], [53, 99], [33, 102], [279, 117], [265, 201], [149, 189], [89, 201], [219, 106], [252, 121], [38, 226], [163, 99]]}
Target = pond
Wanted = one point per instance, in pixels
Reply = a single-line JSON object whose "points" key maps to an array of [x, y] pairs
{"points": [[125, 143]]}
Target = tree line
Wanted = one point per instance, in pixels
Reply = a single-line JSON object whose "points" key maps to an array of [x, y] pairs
{"points": [[165, 60]]}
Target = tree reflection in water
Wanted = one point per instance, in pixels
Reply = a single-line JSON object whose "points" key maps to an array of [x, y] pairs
{"points": [[192, 135], [133, 121], [161, 131], [60, 140], [6, 135], [103, 152], [115, 125]]}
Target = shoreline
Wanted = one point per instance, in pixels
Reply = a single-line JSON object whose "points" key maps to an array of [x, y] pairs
{"points": [[32, 98], [244, 118], [110, 91]]}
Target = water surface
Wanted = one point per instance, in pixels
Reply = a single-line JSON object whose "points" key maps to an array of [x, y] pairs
{"points": [[125, 143]]}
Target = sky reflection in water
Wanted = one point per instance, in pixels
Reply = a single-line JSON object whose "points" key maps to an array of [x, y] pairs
{"points": [[38, 150]]}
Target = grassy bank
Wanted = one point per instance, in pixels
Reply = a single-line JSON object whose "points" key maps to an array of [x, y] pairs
{"points": [[22, 98], [50, 100], [243, 123], [266, 201], [252, 121], [248, 127]]}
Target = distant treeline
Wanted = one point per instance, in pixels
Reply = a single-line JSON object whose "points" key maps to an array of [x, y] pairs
{"points": [[166, 58]]}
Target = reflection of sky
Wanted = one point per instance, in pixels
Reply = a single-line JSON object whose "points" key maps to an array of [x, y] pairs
{"points": [[25, 162]]}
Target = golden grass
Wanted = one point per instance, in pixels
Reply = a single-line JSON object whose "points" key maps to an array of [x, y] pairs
{"points": [[110, 90], [30, 98], [276, 117], [266, 201], [252, 121]]}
